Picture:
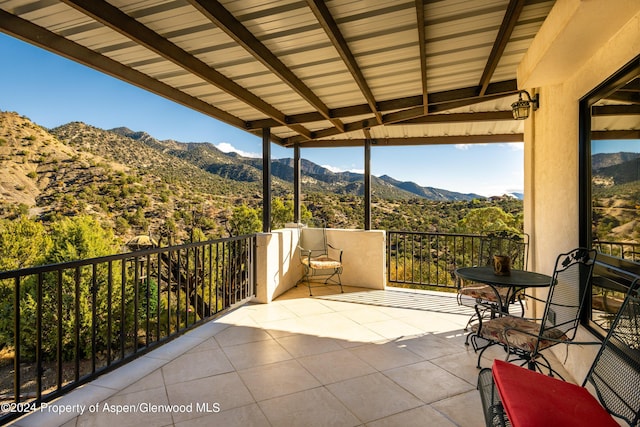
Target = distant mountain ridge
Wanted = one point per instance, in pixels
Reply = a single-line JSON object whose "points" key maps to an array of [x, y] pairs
{"points": [[315, 177]]}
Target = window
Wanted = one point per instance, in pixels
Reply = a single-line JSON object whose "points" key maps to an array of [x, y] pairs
{"points": [[610, 188]]}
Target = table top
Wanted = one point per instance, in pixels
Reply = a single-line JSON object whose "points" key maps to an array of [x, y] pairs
{"points": [[532, 399], [520, 278]]}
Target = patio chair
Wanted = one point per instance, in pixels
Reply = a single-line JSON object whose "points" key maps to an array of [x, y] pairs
{"points": [[487, 301], [525, 339], [319, 259], [614, 375]]}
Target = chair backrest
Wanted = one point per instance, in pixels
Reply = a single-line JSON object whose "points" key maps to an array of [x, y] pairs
{"points": [[314, 240], [514, 245], [571, 277], [615, 373]]}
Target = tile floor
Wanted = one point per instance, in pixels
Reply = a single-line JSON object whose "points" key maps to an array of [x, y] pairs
{"points": [[374, 358]]}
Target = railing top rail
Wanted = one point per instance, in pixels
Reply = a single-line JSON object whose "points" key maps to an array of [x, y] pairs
{"points": [[10, 274]]}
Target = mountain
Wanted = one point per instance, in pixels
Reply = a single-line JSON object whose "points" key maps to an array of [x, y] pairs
{"points": [[134, 183], [615, 168], [429, 192], [314, 177]]}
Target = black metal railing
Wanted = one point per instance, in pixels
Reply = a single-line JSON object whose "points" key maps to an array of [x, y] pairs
{"points": [[418, 259], [623, 250], [62, 325]]}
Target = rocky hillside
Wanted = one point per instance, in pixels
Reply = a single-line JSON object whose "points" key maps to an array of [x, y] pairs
{"points": [[78, 169], [135, 183]]}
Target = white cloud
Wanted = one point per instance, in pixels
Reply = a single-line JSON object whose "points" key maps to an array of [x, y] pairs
{"points": [[462, 146], [336, 169], [333, 169], [225, 147]]}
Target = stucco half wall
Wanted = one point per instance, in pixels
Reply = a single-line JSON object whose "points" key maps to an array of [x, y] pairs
{"points": [[279, 268]]}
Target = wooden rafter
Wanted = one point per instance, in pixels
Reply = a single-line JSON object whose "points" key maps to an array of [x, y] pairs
{"points": [[52, 42], [439, 101], [121, 22], [504, 33], [321, 11], [220, 16], [425, 140], [422, 43]]}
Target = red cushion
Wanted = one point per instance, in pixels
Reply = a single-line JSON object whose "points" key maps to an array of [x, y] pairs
{"points": [[532, 399]]}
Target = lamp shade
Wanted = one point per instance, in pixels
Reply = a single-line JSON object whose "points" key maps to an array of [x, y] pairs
{"points": [[520, 109]]}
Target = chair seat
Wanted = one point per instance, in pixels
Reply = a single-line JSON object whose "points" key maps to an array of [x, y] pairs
{"points": [[322, 262], [483, 292], [534, 399], [514, 331]]}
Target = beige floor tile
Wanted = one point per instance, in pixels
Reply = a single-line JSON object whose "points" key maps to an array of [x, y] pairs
{"points": [[309, 408], [235, 335], [300, 345], [139, 407], [419, 417], [365, 315], [207, 345], [394, 328], [256, 353], [336, 366], [192, 366], [386, 355], [428, 382], [373, 396], [151, 381], [245, 416], [277, 379], [462, 365], [431, 347], [204, 396], [464, 409]]}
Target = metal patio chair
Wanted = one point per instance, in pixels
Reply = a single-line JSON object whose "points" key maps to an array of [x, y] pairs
{"points": [[319, 258], [487, 301], [525, 339]]}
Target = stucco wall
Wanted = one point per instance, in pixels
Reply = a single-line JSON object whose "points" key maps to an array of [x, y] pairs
{"points": [[551, 134], [279, 268]]}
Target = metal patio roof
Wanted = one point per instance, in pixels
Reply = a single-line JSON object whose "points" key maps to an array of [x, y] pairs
{"points": [[316, 73]]}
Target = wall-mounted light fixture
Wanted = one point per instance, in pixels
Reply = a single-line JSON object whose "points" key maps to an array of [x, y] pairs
{"points": [[520, 108]]}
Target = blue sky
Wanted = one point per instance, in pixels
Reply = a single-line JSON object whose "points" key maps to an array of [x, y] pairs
{"points": [[52, 91]]}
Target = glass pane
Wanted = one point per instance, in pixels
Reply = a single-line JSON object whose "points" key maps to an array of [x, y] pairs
{"points": [[615, 187]]}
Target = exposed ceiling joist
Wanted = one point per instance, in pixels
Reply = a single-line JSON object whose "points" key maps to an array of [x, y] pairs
{"points": [[422, 44], [320, 10], [220, 16], [441, 101], [119, 21], [504, 34], [425, 140], [45, 39]]}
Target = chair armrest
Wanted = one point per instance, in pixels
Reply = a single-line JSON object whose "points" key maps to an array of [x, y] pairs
{"points": [[331, 248]]}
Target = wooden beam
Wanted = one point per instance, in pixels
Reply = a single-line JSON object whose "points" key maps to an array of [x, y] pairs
{"points": [[119, 21], [220, 16], [504, 33], [45, 39], [440, 101], [422, 45], [324, 17], [425, 140]]}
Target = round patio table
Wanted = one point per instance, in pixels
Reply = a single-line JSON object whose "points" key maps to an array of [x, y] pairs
{"points": [[515, 281]]}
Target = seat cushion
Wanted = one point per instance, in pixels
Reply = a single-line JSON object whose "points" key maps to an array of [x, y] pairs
{"points": [[322, 262], [514, 331], [483, 292], [534, 399]]}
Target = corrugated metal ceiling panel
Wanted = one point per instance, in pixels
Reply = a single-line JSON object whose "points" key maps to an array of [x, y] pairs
{"points": [[382, 37]]}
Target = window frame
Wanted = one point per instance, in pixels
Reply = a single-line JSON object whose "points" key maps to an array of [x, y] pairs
{"points": [[609, 271]]}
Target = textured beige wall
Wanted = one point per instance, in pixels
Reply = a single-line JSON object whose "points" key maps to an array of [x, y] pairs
{"points": [[279, 268]]}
